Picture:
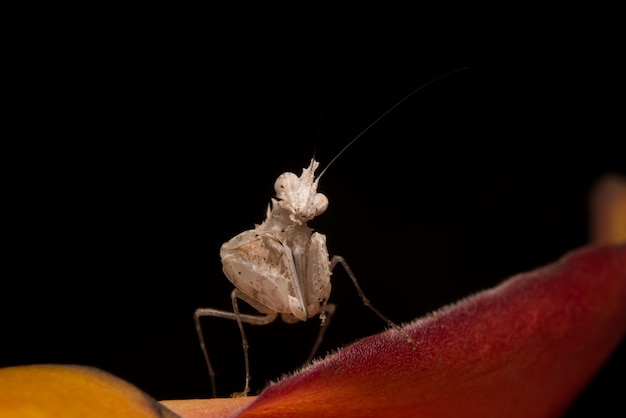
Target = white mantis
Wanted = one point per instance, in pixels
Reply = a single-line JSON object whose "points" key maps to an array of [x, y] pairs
{"points": [[282, 266]]}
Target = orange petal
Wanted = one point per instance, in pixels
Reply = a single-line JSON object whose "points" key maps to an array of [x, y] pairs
{"points": [[209, 408], [72, 391], [608, 210]]}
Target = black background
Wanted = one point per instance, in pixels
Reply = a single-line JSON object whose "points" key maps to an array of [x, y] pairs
{"points": [[139, 144]]}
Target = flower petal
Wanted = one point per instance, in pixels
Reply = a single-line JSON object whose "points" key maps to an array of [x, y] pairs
{"points": [[50, 390], [607, 205], [209, 408], [524, 348]]}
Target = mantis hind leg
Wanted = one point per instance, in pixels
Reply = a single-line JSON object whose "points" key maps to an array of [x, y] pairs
{"points": [[337, 259], [327, 313], [240, 318]]}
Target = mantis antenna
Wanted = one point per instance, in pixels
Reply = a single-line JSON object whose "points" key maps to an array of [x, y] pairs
{"points": [[391, 109]]}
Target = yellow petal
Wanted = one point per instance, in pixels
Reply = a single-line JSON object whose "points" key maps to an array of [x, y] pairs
{"points": [[47, 390]]}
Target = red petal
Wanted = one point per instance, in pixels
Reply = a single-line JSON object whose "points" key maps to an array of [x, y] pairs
{"points": [[522, 349]]}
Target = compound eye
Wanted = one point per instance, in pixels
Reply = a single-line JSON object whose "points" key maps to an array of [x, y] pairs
{"points": [[285, 183], [321, 203]]}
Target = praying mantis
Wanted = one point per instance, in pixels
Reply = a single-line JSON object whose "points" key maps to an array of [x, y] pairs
{"points": [[282, 266]]}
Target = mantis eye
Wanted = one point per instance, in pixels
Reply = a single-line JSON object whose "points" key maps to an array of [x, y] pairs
{"points": [[285, 183], [321, 203]]}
